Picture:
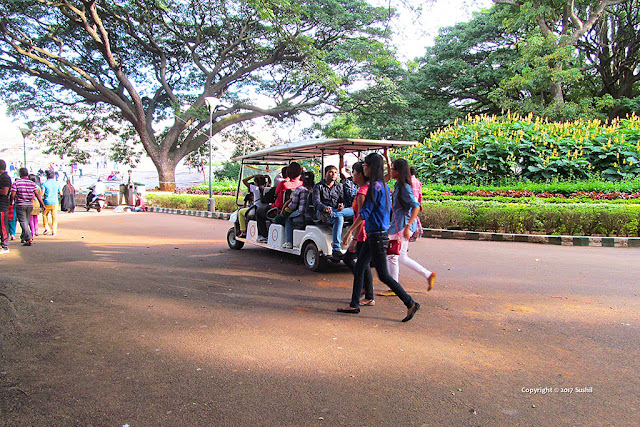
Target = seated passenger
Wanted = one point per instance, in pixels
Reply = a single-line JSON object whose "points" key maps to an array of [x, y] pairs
{"points": [[293, 173], [257, 185], [282, 176], [328, 200], [350, 188], [298, 206]]}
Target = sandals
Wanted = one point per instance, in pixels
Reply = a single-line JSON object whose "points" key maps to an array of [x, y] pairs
{"points": [[369, 302], [431, 280], [388, 293]]}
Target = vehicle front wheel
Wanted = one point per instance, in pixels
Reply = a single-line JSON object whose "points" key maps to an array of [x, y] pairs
{"points": [[312, 258], [232, 241]]}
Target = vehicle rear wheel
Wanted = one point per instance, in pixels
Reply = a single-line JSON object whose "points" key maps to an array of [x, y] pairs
{"points": [[232, 241], [312, 258]]}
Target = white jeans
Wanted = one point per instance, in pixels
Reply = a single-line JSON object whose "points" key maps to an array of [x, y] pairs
{"points": [[393, 261]]}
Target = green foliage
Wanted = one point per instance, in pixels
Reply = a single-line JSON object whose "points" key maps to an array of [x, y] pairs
{"points": [[222, 185], [145, 67], [565, 188], [546, 218], [453, 79], [191, 202], [492, 149]]}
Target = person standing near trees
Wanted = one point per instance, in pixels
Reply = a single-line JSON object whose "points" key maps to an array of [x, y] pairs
{"points": [[23, 191], [126, 188], [5, 186], [68, 198], [376, 216], [52, 192]]}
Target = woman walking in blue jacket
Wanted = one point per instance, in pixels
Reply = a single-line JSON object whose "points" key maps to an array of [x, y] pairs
{"points": [[376, 216]]}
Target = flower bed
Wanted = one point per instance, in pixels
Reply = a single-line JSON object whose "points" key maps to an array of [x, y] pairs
{"points": [[593, 195]]}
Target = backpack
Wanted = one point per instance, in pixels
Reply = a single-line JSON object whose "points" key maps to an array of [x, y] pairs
{"points": [[268, 197]]}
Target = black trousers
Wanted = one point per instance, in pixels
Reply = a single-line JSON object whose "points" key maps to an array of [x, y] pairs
{"points": [[350, 260], [375, 248], [261, 218]]}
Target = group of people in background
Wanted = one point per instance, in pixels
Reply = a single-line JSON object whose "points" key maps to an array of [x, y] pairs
{"points": [[380, 216], [24, 199]]}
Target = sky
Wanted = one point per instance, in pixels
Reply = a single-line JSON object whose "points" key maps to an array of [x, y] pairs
{"points": [[414, 30]]}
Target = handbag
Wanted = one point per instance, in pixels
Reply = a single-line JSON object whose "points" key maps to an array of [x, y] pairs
{"points": [[394, 247]]}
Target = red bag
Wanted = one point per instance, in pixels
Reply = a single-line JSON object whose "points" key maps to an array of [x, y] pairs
{"points": [[394, 247], [11, 209]]}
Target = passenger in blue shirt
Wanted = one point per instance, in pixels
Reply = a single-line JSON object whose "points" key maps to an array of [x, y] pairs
{"points": [[52, 192], [376, 216]]}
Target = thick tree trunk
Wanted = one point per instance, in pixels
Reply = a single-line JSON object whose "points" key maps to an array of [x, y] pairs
{"points": [[166, 175]]}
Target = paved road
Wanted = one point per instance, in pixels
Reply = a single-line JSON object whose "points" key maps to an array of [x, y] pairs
{"points": [[148, 319]]}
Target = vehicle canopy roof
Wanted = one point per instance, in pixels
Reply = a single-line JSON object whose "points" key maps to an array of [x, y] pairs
{"points": [[314, 148]]}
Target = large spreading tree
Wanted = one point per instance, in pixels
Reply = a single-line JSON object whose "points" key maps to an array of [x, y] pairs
{"points": [[455, 78], [91, 66]]}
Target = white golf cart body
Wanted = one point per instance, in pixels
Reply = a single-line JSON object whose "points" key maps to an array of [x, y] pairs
{"points": [[314, 241]]}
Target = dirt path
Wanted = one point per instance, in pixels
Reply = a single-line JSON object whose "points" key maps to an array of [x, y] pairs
{"points": [[149, 319]]}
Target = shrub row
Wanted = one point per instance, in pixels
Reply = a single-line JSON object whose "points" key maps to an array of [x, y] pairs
{"points": [[566, 188], [558, 219], [479, 215], [191, 202]]}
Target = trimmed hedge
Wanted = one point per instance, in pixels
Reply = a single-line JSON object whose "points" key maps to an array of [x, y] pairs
{"points": [[566, 188], [560, 219], [522, 216], [191, 202]]}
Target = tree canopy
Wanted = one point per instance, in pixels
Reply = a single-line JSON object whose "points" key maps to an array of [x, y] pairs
{"points": [[562, 60], [90, 64]]}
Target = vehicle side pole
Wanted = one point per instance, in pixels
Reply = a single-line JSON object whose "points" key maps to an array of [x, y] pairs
{"points": [[239, 183]]}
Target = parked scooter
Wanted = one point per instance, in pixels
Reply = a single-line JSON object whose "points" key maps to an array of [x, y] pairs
{"points": [[95, 201]]}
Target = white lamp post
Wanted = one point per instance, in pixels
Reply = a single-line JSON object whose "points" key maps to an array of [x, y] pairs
{"points": [[212, 104], [25, 132]]}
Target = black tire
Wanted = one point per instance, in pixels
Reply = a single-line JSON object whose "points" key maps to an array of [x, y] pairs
{"points": [[231, 239], [312, 258]]}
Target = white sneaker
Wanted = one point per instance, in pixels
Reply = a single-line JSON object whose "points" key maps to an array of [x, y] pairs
{"points": [[4, 251], [287, 245], [262, 239]]}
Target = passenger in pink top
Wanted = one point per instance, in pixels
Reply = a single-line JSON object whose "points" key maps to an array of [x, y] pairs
{"points": [[293, 173]]}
